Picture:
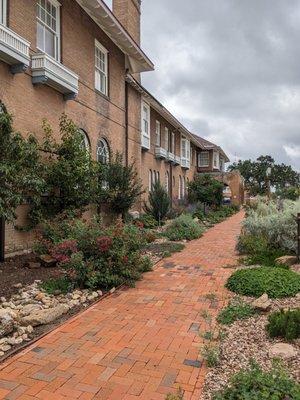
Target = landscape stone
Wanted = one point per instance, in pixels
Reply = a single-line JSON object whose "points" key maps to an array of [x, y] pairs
{"points": [[287, 260], [43, 317], [282, 350], [262, 303], [48, 261], [7, 324]]}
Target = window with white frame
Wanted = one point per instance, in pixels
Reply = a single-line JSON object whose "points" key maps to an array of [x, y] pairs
{"points": [[173, 143], [185, 149], [203, 159], [150, 181], [216, 159], [103, 152], [167, 181], [222, 164], [179, 187], [101, 68], [167, 139], [48, 27], [157, 133], [3, 11], [145, 125], [85, 140]]}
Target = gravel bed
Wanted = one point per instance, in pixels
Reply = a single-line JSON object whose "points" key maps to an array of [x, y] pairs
{"points": [[245, 340]]}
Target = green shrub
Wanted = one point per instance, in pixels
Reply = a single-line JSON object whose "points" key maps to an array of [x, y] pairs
{"points": [[285, 324], [276, 282], [211, 355], [255, 384], [148, 221], [236, 309], [205, 189], [159, 202], [183, 228], [57, 285]]}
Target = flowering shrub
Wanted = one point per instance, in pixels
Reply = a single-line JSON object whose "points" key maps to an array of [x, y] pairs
{"points": [[95, 256], [63, 251]]}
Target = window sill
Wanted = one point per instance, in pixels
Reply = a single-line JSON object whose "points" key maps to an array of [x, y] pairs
{"points": [[105, 96]]}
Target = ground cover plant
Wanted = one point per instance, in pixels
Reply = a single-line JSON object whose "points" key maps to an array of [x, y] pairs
{"points": [[211, 355], [184, 228], [94, 256], [256, 384], [236, 309], [285, 324], [276, 282]]}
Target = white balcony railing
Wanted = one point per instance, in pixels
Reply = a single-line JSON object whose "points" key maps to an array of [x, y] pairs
{"points": [[48, 71], [185, 163], [145, 142], [171, 157], [177, 160], [14, 50], [161, 153]]}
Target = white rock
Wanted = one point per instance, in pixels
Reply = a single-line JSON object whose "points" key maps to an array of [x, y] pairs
{"points": [[6, 324], [43, 317], [30, 308], [282, 350], [262, 303]]}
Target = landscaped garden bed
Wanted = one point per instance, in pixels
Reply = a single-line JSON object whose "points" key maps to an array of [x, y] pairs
{"points": [[258, 344]]}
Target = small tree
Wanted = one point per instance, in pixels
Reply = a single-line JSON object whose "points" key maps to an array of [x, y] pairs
{"points": [[119, 185], [206, 190], [20, 169], [69, 172], [159, 202]]}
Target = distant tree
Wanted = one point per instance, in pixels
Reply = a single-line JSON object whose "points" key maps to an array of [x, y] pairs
{"points": [[159, 202], [255, 174], [119, 185], [205, 189]]}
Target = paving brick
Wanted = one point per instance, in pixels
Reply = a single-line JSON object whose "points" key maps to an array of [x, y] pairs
{"points": [[145, 340]]}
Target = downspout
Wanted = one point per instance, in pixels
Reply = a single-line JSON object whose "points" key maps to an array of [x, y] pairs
{"points": [[126, 124]]}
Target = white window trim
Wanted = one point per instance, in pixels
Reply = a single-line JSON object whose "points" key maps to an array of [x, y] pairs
{"points": [[57, 5], [3, 12], [187, 154], [167, 139], [200, 163], [217, 165], [145, 134], [100, 47], [157, 133]]}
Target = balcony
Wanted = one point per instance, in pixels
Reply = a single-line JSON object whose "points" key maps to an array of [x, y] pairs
{"points": [[46, 70], [171, 157], [14, 50], [145, 142], [161, 153], [177, 160], [185, 163]]}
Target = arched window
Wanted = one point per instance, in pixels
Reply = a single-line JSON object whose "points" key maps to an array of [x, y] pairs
{"points": [[150, 181], [103, 152], [167, 182], [85, 140], [183, 188], [157, 177]]}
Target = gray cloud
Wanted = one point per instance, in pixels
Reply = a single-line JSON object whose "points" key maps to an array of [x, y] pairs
{"points": [[230, 70]]}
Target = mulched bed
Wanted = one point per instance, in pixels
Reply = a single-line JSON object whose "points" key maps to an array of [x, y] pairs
{"points": [[14, 271]]}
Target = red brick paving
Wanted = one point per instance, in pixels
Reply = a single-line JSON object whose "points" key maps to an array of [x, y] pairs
{"points": [[139, 343]]}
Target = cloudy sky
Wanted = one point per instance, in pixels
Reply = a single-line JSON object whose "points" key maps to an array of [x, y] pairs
{"points": [[230, 71]]}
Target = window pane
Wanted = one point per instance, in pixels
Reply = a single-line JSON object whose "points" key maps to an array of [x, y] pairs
{"points": [[40, 36], [49, 43]]}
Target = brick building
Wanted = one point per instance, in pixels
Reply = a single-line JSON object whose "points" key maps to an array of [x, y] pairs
{"points": [[83, 58]]}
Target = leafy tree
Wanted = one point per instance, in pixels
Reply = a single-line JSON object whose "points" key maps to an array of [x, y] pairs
{"points": [[119, 185], [205, 189], [159, 202], [20, 168], [290, 193], [255, 174], [69, 172]]}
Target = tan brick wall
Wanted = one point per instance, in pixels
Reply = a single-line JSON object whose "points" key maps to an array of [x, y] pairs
{"points": [[129, 14], [97, 115]]}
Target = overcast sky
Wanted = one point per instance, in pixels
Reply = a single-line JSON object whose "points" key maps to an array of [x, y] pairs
{"points": [[229, 70]]}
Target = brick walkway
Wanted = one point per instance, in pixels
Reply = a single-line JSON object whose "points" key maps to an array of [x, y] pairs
{"points": [[138, 344]]}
